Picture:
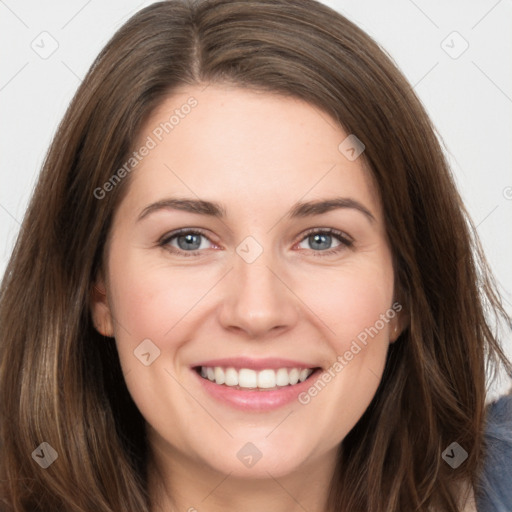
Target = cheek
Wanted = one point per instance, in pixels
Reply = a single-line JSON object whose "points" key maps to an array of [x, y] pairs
{"points": [[153, 301], [352, 301], [151, 298], [356, 306]]}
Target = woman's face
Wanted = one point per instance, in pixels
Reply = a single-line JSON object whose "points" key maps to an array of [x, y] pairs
{"points": [[281, 266]]}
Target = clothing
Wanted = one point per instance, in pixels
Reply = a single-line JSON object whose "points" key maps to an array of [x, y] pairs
{"points": [[495, 489]]}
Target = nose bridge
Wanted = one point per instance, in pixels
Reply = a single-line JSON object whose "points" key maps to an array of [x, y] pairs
{"points": [[258, 301], [256, 280]]}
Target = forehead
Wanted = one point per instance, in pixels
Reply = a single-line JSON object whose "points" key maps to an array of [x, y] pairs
{"points": [[222, 141]]}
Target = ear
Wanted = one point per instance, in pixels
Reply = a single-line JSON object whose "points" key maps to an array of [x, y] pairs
{"points": [[398, 323], [100, 309]]}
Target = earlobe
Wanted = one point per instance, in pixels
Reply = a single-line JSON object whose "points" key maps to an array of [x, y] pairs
{"points": [[398, 325], [100, 310], [395, 332]]}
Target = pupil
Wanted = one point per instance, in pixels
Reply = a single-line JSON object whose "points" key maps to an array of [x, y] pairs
{"points": [[320, 241], [190, 241]]}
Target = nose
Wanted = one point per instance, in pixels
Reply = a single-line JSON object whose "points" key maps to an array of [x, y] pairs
{"points": [[258, 300]]}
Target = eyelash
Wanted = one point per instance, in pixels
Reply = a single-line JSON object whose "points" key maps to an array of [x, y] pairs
{"points": [[345, 241]]}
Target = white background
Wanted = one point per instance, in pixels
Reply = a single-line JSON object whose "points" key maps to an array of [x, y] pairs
{"points": [[469, 97]]}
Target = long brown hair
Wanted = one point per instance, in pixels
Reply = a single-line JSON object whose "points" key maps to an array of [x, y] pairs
{"points": [[61, 381]]}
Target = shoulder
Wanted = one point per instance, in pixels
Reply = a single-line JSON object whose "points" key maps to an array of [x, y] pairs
{"points": [[494, 492]]}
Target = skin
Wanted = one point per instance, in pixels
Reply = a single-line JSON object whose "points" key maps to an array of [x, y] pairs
{"points": [[257, 154]]}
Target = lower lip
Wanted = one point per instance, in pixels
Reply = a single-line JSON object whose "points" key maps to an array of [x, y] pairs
{"points": [[255, 399]]}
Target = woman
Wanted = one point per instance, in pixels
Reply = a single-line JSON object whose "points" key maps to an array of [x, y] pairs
{"points": [[245, 281]]}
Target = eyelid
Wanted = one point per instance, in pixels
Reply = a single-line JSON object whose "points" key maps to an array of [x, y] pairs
{"points": [[345, 237], [181, 231], [346, 241], [166, 239]]}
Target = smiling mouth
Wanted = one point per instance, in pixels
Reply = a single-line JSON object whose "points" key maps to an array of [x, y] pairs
{"points": [[256, 380]]}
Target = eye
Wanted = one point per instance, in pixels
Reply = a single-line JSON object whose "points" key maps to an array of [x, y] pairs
{"points": [[325, 241], [190, 242], [186, 241]]}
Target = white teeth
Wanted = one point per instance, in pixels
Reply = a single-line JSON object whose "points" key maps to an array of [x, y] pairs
{"points": [[267, 379], [247, 378], [282, 378], [219, 375], [263, 379], [294, 376], [304, 374], [231, 377]]}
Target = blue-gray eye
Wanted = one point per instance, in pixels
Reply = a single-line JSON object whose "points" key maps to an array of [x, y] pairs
{"points": [[192, 241], [186, 241], [320, 241]]}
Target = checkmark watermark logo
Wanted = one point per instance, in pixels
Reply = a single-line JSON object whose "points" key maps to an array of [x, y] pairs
{"points": [[454, 45], [351, 147], [454, 455], [146, 352], [45, 45], [249, 455], [45, 455], [249, 249]]}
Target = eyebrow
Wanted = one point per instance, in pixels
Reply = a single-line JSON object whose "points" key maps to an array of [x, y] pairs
{"points": [[186, 205], [323, 206], [214, 209]]}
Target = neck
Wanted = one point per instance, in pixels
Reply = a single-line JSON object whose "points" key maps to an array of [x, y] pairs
{"points": [[177, 483]]}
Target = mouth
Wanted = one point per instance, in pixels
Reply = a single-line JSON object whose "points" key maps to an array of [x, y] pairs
{"points": [[255, 384], [248, 379]]}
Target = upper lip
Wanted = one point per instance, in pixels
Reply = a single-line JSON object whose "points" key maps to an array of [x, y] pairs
{"points": [[255, 364]]}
